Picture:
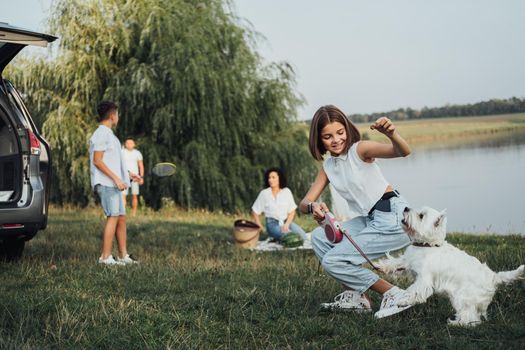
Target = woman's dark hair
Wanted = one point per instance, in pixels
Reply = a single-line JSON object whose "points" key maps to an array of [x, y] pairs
{"points": [[104, 108], [324, 116], [280, 173]]}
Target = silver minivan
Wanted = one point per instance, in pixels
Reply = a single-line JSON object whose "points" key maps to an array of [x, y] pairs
{"points": [[25, 157]]}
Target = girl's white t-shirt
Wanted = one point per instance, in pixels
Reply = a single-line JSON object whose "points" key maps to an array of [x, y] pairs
{"points": [[277, 207], [360, 183]]}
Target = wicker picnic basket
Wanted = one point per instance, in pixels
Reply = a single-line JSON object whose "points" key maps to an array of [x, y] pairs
{"points": [[246, 233]]}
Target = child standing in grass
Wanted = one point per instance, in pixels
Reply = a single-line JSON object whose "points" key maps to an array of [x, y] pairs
{"points": [[135, 166], [377, 209], [108, 178]]}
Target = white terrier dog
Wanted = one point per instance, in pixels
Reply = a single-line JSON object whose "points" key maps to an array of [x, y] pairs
{"points": [[439, 267]]}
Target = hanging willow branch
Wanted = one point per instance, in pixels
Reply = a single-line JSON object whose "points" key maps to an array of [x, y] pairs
{"points": [[191, 90]]}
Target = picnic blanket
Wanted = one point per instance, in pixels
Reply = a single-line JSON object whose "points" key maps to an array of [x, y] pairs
{"points": [[269, 245]]}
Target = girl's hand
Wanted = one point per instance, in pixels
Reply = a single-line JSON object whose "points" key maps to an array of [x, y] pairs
{"points": [[318, 211], [384, 126], [285, 228]]}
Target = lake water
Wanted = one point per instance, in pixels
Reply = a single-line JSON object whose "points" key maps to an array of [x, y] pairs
{"points": [[481, 185]]}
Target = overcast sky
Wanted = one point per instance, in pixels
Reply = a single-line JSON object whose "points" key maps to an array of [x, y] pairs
{"points": [[373, 56]]}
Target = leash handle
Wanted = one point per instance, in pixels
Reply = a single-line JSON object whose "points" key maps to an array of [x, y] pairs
{"points": [[358, 249]]}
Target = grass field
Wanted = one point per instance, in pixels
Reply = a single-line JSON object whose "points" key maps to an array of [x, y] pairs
{"points": [[454, 130], [195, 290]]}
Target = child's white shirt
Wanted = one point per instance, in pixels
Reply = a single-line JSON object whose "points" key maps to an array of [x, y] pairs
{"points": [[360, 183]]}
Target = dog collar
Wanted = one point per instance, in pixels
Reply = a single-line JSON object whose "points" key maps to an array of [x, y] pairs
{"points": [[424, 245]]}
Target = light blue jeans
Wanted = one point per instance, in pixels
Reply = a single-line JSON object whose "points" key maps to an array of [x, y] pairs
{"points": [[376, 234], [274, 230], [111, 200]]}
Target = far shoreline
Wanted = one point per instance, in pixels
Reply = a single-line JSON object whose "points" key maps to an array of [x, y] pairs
{"points": [[440, 132]]}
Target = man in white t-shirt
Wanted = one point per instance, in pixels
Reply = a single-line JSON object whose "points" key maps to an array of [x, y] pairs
{"points": [[135, 166], [108, 178]]}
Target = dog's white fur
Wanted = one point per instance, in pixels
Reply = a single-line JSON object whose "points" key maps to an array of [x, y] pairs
{"points": [[442, 268]]}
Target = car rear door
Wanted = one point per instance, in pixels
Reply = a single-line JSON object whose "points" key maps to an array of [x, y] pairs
{"points": [[12, 41]]}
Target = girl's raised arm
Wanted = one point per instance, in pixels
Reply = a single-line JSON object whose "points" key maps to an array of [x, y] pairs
{"points": [[368, 150]]}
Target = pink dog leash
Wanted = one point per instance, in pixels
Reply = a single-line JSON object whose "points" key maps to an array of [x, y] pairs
{"points": [[334, 233]]}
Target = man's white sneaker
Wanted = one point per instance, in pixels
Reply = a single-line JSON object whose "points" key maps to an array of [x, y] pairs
{"points": [[348, 300], [109, 261], [127, 260], [389, 305]]}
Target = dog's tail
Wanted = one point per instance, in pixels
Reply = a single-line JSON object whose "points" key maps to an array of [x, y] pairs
{"points": [[509, 276]]}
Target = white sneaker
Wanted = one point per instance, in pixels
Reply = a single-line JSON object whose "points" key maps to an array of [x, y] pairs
{"points": [[109, 261], [348, 300], [127, 260], [389, 305]]}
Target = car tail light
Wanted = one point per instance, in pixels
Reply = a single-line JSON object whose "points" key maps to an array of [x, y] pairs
{"points": [[12, 225], [35, 144]]}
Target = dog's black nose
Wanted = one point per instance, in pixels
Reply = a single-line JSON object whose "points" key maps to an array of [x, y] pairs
{"points": [[407, 209]]}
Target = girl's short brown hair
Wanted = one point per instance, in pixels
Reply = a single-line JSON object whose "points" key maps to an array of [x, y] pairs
{"points": [[324, 116]]}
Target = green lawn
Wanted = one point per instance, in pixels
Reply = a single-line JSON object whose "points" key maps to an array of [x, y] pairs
{"points": [[195, 290]]}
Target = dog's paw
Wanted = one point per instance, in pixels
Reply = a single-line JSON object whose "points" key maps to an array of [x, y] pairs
{"points": [[388, 266], [463, 323], [382, 266], [521, 269], [453, 322], [400, 271]]}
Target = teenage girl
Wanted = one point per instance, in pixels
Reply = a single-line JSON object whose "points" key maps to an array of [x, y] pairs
{"points": [[376, 208]]}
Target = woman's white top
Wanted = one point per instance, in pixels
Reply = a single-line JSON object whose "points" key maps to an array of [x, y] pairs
{"points": [[360, 183], [277, 207]]}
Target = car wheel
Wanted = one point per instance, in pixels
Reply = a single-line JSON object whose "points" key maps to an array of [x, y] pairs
{"points": [[11, 249]]}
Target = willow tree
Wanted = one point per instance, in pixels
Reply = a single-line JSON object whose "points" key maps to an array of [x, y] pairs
{"points": [[191, 89]]}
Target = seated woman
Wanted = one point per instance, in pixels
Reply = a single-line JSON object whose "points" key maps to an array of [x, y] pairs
{"points": [[277, 203]]}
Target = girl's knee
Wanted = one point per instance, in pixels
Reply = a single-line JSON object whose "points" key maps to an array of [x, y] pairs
{"points": [[332, 262], [335, 261], [326, 263]]}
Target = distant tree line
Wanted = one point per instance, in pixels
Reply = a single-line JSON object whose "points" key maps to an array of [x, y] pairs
{"points": [[491, 107]]}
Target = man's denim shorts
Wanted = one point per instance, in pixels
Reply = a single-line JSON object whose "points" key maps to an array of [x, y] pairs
{"points": [[111, 200]]}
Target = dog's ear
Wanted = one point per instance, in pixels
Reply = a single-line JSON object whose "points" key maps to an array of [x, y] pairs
{"points": [[440, 218]]}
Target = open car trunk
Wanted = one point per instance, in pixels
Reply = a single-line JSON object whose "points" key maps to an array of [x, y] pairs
{"points": [[20, 141], [11, 177]]}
